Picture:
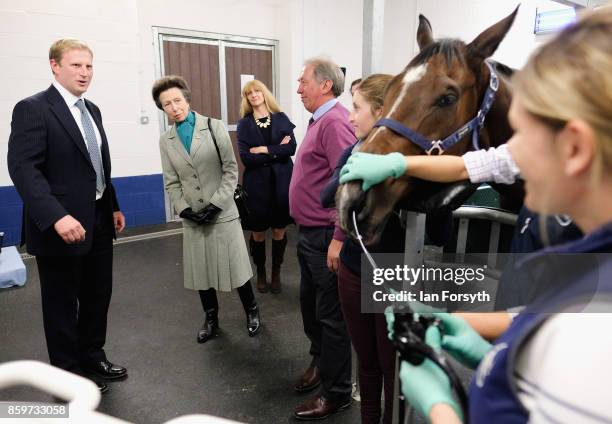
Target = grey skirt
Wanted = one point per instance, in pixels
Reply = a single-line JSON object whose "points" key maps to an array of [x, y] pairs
{"points": [[215, 256]]}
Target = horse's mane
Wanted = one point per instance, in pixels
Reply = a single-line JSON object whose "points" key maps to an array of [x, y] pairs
{"points": [[451, 49], [448, 47]]}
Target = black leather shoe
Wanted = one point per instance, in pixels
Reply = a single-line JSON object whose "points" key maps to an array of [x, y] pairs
{"points": [[318, 408], [253, 321], [101, 386], [210, 328], [105, 370], [309, 380]]}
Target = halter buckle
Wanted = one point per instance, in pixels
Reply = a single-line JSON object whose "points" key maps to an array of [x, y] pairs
{"points": [[435, 145], [493, 78], [480, 117], [494, 82]]}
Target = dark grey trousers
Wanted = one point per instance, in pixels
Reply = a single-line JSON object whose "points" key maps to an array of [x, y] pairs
{"points": [[324, 324]]}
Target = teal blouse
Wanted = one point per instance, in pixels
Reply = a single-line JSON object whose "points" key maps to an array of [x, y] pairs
{"points": [[184, 130]]}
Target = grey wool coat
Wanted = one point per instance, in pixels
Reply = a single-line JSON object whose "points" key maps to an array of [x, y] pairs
{"points": [[214, 255]]}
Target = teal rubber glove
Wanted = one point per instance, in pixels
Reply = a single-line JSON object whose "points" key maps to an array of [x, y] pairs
{"points": [[426, 385], [372, 169], [390, 317], [461, 341]]}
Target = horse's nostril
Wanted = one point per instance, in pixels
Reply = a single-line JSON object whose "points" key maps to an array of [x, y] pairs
{"points": [[357, 214], [358, 203]]}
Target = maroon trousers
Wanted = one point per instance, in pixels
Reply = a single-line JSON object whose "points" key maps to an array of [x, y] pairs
{"points": [[375, 353]]}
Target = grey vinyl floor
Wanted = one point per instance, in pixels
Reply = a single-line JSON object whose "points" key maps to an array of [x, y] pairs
{"points": [[152, 329]]}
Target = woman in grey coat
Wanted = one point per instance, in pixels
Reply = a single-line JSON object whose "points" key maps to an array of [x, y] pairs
{"points": [[200, 182]]}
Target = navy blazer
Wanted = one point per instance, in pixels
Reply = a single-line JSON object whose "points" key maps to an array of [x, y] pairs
{"points": [[262, 169], [50, 166]]}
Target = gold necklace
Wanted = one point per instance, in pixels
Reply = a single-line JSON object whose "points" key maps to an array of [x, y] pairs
{"points": [[264, 124]]}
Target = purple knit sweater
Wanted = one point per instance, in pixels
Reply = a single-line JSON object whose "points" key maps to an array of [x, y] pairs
{"points": [[325, 140]]}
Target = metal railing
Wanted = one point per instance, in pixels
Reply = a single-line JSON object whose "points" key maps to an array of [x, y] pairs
{"points": [[497, 217]]}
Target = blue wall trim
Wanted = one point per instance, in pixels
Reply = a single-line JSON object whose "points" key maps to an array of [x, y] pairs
{"points": [[141, 199], [10, 215]]}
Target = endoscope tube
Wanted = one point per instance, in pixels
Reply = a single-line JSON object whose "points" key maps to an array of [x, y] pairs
{"points": [[423, 348]]}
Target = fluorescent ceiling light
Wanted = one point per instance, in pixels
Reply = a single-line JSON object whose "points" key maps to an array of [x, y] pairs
{"points": [[553, 20]]}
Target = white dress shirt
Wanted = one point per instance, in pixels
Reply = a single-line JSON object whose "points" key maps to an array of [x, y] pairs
{"points": [[71, 100]]}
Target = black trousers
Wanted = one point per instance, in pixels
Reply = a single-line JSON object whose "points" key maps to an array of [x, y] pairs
{"points": [[324, 324], [76, 293]]}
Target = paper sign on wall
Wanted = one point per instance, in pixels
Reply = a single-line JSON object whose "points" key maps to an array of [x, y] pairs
{"points": [[244, 78]]}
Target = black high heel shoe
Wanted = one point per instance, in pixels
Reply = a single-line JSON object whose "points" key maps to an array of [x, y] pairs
{"points": [[254, 325], [210, 328]]}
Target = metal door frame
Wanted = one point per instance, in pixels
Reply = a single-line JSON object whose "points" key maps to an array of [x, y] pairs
{"points": [[161, 34]]}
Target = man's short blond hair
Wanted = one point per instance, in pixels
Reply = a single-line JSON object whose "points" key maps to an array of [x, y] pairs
{"points": [[61, 46]]}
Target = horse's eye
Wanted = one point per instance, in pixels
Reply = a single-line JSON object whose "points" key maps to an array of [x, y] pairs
{"points": [[446, 100]]}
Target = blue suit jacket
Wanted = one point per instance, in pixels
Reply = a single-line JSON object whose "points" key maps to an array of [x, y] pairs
{"points": [[50, 166]]}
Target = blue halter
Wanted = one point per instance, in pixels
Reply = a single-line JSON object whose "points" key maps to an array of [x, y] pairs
{"points": [[474, 125]]}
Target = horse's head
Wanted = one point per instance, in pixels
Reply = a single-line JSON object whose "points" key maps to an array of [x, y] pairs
{"points": [[439, 91]]}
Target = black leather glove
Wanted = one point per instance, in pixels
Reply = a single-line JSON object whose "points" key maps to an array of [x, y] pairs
{"points": [[189, 214], [209, 213]]}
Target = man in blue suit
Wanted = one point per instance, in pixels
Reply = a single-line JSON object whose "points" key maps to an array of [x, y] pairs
{"points": [[59, 161]]}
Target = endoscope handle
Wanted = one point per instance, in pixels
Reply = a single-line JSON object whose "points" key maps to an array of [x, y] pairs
{"points": [[413, 351]]}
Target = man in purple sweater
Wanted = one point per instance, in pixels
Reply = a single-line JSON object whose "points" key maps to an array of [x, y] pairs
{"points": [[328, 134]]}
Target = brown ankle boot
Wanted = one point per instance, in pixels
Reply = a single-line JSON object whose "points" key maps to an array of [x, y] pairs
{"points": [[258, 252], [278, 252]]}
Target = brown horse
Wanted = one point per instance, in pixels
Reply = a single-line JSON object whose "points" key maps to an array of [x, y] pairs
{"points": [[439, 91]]}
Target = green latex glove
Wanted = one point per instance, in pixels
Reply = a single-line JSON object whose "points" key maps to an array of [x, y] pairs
{"points": [[372, 169], [462, 341], [426, 385], [390, 317]]}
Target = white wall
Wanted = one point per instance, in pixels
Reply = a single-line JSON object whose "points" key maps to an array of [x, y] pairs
{"points": [[401, 19], [333, 28], [120, 33], [28, 28]]}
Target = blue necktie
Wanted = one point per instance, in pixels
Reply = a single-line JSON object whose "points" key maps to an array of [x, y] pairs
{"points": [[92, 145]]}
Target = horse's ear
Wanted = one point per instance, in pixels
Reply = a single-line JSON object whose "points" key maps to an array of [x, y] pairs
{"points": [[424, 33], [487, 42]]}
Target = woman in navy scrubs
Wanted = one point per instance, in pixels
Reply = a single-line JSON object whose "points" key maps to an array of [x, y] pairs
{"points": [[553, 363]]}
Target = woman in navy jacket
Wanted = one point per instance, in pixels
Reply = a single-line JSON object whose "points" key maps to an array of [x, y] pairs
{"points": [[266, 143]]}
